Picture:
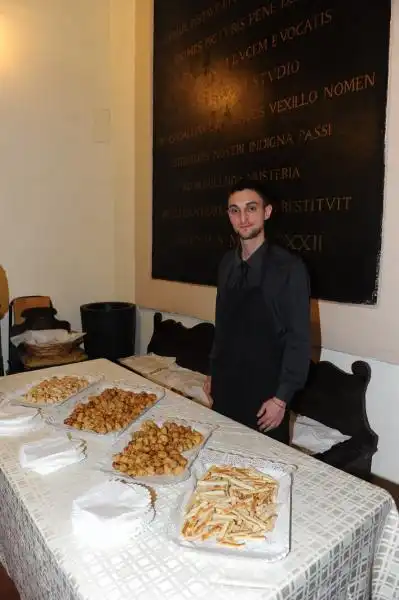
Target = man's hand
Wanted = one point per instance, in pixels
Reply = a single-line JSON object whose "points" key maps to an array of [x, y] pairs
{"points": [[271, 414], [207, 390]]}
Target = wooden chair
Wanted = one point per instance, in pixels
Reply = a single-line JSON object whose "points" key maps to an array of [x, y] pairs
{"points": [[338, 400], [35, 312]]}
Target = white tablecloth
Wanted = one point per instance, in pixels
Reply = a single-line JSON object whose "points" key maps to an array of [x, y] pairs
{"points": [[343, 529]]}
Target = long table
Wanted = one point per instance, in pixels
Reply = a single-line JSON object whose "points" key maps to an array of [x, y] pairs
{"points": [[345, 532]]}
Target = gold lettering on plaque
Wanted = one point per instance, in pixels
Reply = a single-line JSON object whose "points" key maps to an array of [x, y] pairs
{"points": [[234, 150], [304, 242], [272, 141], [261, 13], [306, 26], [199, 19], [294, 102], [187, 212], [256, 49], [191, 159], [350, 86], [280, 174], [205, 239], [326, 204], [211, 183], [315, 133], [275, 74]]}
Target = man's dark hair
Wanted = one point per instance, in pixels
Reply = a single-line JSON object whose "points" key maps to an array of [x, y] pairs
{"points": [[253, 185]]}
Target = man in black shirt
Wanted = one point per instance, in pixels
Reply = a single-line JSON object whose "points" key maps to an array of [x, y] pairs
{"points": [[261, 351]]}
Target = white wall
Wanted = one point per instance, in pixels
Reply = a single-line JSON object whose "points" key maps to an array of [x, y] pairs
{"points": [[382, 395], [66, 150], [57, 213], [122, 78]]}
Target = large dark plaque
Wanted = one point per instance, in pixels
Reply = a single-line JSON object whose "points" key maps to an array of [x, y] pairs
{"points": [[291, 93]]}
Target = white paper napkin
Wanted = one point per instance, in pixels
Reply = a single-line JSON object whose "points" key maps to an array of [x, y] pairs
{"points": [[46, 336], [51, 454], [15, 420], [148, 363], [110, 513], [315, 436]]}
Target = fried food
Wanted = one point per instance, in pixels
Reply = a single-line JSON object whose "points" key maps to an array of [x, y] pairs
{"points": [[157, 450], [231, 506], [55, 389], [111, 410]]}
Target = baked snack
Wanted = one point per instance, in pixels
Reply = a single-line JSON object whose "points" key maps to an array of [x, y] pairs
{"points": [[111, 410], [157, 450], [55, 389]]}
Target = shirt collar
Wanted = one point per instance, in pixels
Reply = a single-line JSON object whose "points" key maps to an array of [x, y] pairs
{"points": [[255, 259]]}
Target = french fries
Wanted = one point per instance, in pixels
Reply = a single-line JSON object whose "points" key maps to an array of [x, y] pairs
{"points": [[231, 506]]}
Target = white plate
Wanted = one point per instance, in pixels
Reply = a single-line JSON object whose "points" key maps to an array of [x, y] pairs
{"points": [[277, 543], [17, 397], [56, 418], [205, 428]]}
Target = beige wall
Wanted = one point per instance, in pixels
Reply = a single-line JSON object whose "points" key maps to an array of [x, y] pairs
{"points": [[122, 81], [359, 330], [56, 187], [66, 150]]}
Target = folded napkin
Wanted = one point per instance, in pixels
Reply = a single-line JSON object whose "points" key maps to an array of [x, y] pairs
{"points": [[148, 363], [15, 420], [51, 454], [112, 512], [314, 436]]}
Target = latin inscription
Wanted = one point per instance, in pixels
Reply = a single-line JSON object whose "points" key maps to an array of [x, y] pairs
{"points": [[226, 181], [312, 205], [353, 85], [264, 144], [303, 242]]}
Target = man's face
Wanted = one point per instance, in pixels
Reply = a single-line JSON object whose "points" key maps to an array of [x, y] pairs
{"points": [[247, 214]]}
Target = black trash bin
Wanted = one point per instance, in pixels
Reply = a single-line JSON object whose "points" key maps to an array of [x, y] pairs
{"points": [[110, 329]]}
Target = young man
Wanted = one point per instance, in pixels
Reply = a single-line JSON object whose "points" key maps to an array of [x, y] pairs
{"points": [[261, 351]]}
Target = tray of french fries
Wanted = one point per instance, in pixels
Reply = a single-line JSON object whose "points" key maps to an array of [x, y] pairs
{"points": [[158, 451], [236, 505], [52, 391], [106, 411]]}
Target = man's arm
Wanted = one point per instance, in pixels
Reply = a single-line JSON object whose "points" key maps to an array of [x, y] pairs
{"points": [[295, 311]]}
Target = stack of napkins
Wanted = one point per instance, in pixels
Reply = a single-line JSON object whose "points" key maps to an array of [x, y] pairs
{"points": [[112, 512], [17, 420], [51, 454]]}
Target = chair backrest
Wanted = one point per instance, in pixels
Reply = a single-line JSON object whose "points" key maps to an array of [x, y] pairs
{"points": [[18, 305], [336, 398], [190, 346]]}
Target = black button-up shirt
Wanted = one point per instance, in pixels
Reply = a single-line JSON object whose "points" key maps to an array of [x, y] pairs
{"points": [[285, 287]]}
